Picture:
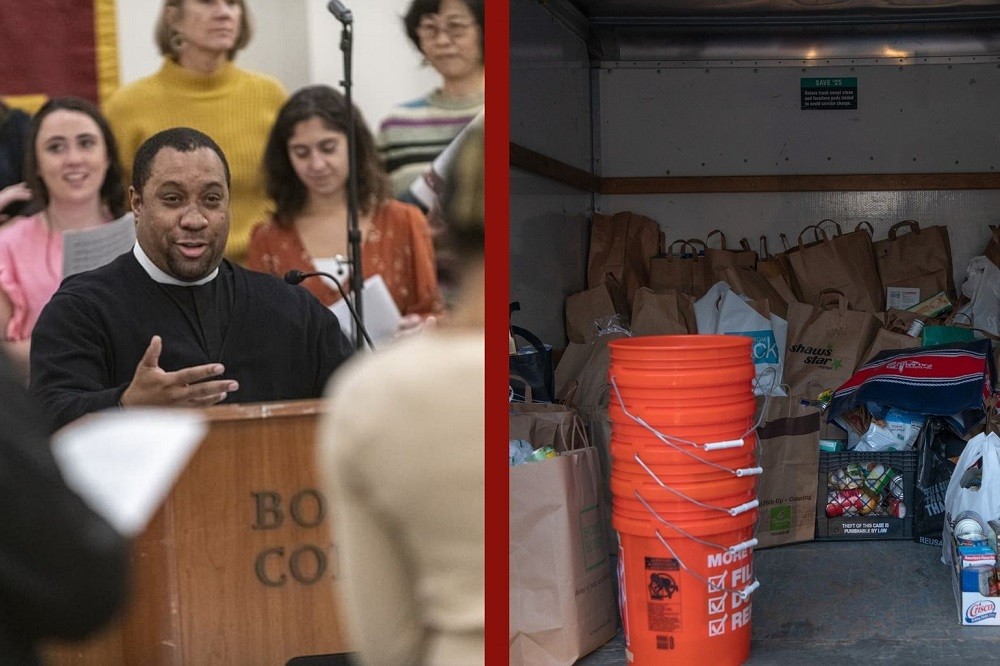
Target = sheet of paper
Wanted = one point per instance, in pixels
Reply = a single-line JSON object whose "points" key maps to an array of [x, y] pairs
{"points": [[86, 249], [123, 463], [381, 316]]}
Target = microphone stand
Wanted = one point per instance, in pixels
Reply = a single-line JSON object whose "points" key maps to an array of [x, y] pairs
{"points": [[353, 231]]}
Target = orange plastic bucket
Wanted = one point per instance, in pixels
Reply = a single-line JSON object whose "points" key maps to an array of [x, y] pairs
{"points": [[631, 515], [678, 380], [680, 351], [714, 489], [720, 394], [715, 431], [673, 616], [659, 415], [653, 451]]}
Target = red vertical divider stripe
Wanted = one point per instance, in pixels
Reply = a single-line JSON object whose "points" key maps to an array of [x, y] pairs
{"points": [[497, 292]]}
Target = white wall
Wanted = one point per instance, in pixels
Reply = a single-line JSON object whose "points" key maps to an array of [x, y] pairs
{"points": [[298, 41]]}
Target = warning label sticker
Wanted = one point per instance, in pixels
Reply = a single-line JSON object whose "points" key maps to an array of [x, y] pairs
{"points": [[663, 602]]}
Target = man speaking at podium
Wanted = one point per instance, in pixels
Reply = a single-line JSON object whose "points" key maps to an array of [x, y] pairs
{"points": [[172, 323]]}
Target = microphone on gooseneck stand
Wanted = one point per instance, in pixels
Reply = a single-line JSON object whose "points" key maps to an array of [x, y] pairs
{"points": [[340, 12], [296, 276]]}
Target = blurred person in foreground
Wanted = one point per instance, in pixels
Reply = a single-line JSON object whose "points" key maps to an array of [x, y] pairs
{"points": [[401, 457], [62, 566], [198, 85], [173, 323], [75, 180], [306, 170]]}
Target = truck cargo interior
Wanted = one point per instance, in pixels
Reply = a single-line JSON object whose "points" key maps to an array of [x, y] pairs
{"points": [[757, 119]]}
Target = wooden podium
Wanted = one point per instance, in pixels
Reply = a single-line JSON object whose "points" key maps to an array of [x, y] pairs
{"points": [[238, 566]]}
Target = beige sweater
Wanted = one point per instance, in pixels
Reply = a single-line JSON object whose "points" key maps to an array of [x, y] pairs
{"points": [[401, 453]]}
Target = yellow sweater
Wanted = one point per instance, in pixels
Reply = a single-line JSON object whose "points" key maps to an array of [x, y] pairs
{"points": [[233, 106]]}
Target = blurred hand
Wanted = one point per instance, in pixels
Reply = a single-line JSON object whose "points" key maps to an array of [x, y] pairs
{"points": [[413, 324], [12, 193], [152, 385]]}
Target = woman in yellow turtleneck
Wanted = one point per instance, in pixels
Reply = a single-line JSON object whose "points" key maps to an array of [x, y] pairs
{"points": [[199, 86]]}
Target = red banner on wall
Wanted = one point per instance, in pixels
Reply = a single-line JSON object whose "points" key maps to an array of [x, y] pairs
{"points": [[57, 47]]}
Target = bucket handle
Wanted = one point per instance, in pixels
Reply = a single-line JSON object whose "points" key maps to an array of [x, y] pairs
{"points": [[666, 439], [732, 550], [732, 511]]}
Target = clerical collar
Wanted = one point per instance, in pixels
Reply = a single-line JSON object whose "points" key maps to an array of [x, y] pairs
{"points": [[165, 278]]}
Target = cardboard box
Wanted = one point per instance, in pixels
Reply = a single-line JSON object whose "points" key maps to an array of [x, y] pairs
{"points": [[973, 607]]}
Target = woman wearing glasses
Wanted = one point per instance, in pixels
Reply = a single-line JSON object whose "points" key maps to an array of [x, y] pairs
{"points": [[449, 34]]}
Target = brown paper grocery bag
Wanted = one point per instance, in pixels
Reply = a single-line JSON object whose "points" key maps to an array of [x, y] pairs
{"points": [[723, 256], [825, 345], [992, 249], [587, 364], [622, 244], [789, 455], [666, 313], [752, 284], [886, 339], [583, 309], [845, 262], [778, 272], [546, 424], [562, 598], [919, 259], [681, 268]]}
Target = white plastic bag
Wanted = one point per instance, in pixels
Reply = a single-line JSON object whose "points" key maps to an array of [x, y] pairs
{"points": [[986, 500], [725, 312], [982, 287]]}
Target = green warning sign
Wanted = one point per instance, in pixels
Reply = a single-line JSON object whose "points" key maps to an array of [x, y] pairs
{"points": [[829, 93]]}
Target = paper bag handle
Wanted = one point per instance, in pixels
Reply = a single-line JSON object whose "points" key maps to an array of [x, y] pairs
{"points": [[527, 386], [913, 225], [839, 297], [722, 237], [866, 223], [817, 232], [684, 243]]}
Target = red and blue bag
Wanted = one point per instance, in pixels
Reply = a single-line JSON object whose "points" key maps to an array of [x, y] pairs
{"points": [[948, 380]]}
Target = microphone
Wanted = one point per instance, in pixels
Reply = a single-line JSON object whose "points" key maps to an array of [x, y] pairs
{"points": [[295, 276], [340, 12]]}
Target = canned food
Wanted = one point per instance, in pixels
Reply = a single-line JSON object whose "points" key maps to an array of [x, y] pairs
{"points": [[969, 525]]}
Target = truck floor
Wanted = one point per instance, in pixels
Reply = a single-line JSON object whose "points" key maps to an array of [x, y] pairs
{"points": [[841, 602]]}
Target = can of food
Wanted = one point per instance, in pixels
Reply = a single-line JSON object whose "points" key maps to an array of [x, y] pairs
{"points": [[969, 525], [915, 328]]}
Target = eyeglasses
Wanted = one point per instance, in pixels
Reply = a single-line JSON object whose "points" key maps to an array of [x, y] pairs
{"points": [[454, 29]]}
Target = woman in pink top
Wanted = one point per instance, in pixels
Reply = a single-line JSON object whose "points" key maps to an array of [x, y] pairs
{"points": [[71, 166]]}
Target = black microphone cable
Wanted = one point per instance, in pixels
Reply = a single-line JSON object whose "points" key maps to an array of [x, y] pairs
{"points": [[295, 276]]}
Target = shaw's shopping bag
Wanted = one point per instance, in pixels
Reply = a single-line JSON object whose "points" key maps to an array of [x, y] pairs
{"points": [[950, 380], [562, 598], [825, 345]]}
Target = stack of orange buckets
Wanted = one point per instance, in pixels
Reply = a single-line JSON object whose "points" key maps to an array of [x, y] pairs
{"points": [[684, 488]]}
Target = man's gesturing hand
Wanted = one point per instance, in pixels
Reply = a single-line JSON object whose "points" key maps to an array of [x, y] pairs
{"points": [[152, 385]]}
